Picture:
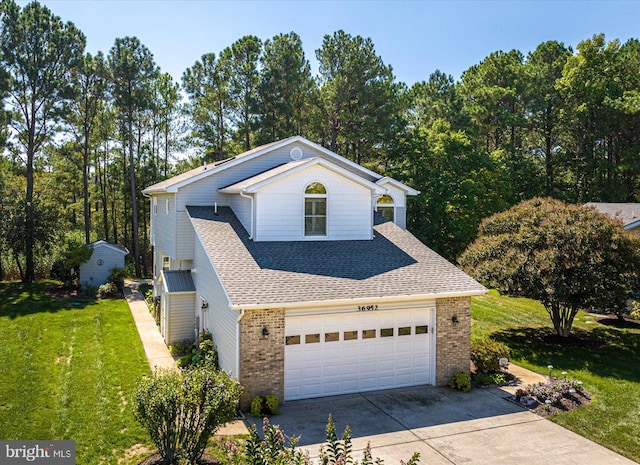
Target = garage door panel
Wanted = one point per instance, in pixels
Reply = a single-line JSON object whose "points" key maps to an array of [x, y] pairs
{"points": [[344, 360]]}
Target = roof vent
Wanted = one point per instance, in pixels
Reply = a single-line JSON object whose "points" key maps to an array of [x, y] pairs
{"points": [[296, 153]]}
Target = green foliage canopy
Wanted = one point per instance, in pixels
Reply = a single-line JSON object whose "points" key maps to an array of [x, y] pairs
{"points": [[569, 257]]}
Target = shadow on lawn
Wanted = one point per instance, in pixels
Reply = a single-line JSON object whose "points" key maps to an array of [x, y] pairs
{"points": [[20, 299], [604, 351]]}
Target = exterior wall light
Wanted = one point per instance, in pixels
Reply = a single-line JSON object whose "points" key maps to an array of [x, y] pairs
{"points": [[265, 331], [454, 319]]}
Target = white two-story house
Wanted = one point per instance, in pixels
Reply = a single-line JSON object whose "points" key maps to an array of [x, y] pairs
{"points": [[298, 262]]}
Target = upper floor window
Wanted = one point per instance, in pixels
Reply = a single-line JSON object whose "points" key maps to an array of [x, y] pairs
{"points": [[315, 210], [166, 263], [386, 207]]}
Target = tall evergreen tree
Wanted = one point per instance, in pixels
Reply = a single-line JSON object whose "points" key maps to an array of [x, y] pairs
{"points": [[544, 106], [39, 51], [242, 59], [207, 85], [284, 90], [132, 70], [359, 97]]}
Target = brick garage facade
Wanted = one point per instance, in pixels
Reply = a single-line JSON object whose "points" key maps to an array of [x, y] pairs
{"points": [[261, 357], [453, 344]]}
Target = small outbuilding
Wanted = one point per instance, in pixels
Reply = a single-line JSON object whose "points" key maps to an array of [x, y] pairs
{"points": [[104, 258]]}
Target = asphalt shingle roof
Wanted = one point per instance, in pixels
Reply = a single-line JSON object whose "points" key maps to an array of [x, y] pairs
{"points": [[392, 264], [626, 212]]}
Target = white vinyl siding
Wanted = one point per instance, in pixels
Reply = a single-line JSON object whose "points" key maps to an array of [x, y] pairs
{"points": [[92, 274], [280, 207], [219, 319], [164, 226], [204, 193], [185, 236], [241, 206], [180, 318]]}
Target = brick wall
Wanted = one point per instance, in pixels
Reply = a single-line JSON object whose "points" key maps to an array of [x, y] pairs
{"points": [[261, 357], [453, 345]]}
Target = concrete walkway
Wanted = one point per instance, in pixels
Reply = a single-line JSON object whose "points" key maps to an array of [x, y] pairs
{"points": [[155, 349]]}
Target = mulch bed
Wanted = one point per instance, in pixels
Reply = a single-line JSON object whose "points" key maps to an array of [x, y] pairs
{"points": [[576, 400]]}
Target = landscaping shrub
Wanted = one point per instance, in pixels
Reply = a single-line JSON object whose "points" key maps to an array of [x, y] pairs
{"points": [[181, 410], [486, 379], [553, 391], [117, 277], [202, 352], [486, 354], [461, 381], [264, 405], [107, 290]]}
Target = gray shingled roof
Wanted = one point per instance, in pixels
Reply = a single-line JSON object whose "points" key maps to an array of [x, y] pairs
{"points": [[626, 212], [163, 185], [100, 242], [393, 264], [179, 281]]}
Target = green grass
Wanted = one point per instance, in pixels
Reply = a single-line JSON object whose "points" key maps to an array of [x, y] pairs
{"points": [[68, 370], [605, 358]]}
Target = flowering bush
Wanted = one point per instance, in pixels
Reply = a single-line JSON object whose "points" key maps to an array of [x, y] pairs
{"points": [[273, 449], [181, 410], [553, 391]]}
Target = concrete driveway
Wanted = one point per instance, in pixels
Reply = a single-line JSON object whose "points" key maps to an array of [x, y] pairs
{"points": [[444, 426]]}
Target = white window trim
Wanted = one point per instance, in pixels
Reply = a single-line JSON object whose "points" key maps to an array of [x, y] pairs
{"points": [[166, 205], [305, 196], [155, 205], [388, 205], [167, 258]]}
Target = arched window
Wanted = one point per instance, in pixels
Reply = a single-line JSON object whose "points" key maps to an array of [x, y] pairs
{"points": [[386, 207], [315, 210]]}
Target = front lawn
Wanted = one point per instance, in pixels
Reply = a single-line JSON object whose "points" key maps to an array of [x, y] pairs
{"points": [[68, 369], [605, 358]]}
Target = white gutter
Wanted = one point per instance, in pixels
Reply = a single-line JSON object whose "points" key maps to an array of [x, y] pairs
{"points": [[358, 301], [238, 343], [250, 197]]}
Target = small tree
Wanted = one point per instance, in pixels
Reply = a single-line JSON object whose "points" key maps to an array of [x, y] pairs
{"points": [[181, 410], [567, 256]]}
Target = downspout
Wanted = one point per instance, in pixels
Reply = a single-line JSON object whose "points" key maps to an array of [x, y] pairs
{"points": [[242, 194], [238, 344]]}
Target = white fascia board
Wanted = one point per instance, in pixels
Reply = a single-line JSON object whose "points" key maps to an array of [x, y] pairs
{"points": [[239, 159], [359, 301], [325, 164], [123, 250], [398, 184], [338, 157]]}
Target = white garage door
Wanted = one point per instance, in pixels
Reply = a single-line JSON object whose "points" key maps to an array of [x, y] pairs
{"points": [[355, 352]]}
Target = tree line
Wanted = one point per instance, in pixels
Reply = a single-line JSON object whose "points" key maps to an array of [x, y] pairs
{"points": [[84, 134]]}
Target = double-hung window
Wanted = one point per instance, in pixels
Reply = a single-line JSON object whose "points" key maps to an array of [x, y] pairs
{"points": [[315, 210]]}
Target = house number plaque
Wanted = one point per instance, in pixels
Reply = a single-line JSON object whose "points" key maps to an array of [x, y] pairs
{"points": [[367, 308]]}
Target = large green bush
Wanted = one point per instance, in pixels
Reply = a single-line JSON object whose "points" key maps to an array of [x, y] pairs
{"points": [[568, 257], [182, 409], [486, 354]]}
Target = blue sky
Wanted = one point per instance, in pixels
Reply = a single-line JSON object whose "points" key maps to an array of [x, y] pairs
{"points": [[415, 37]]}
